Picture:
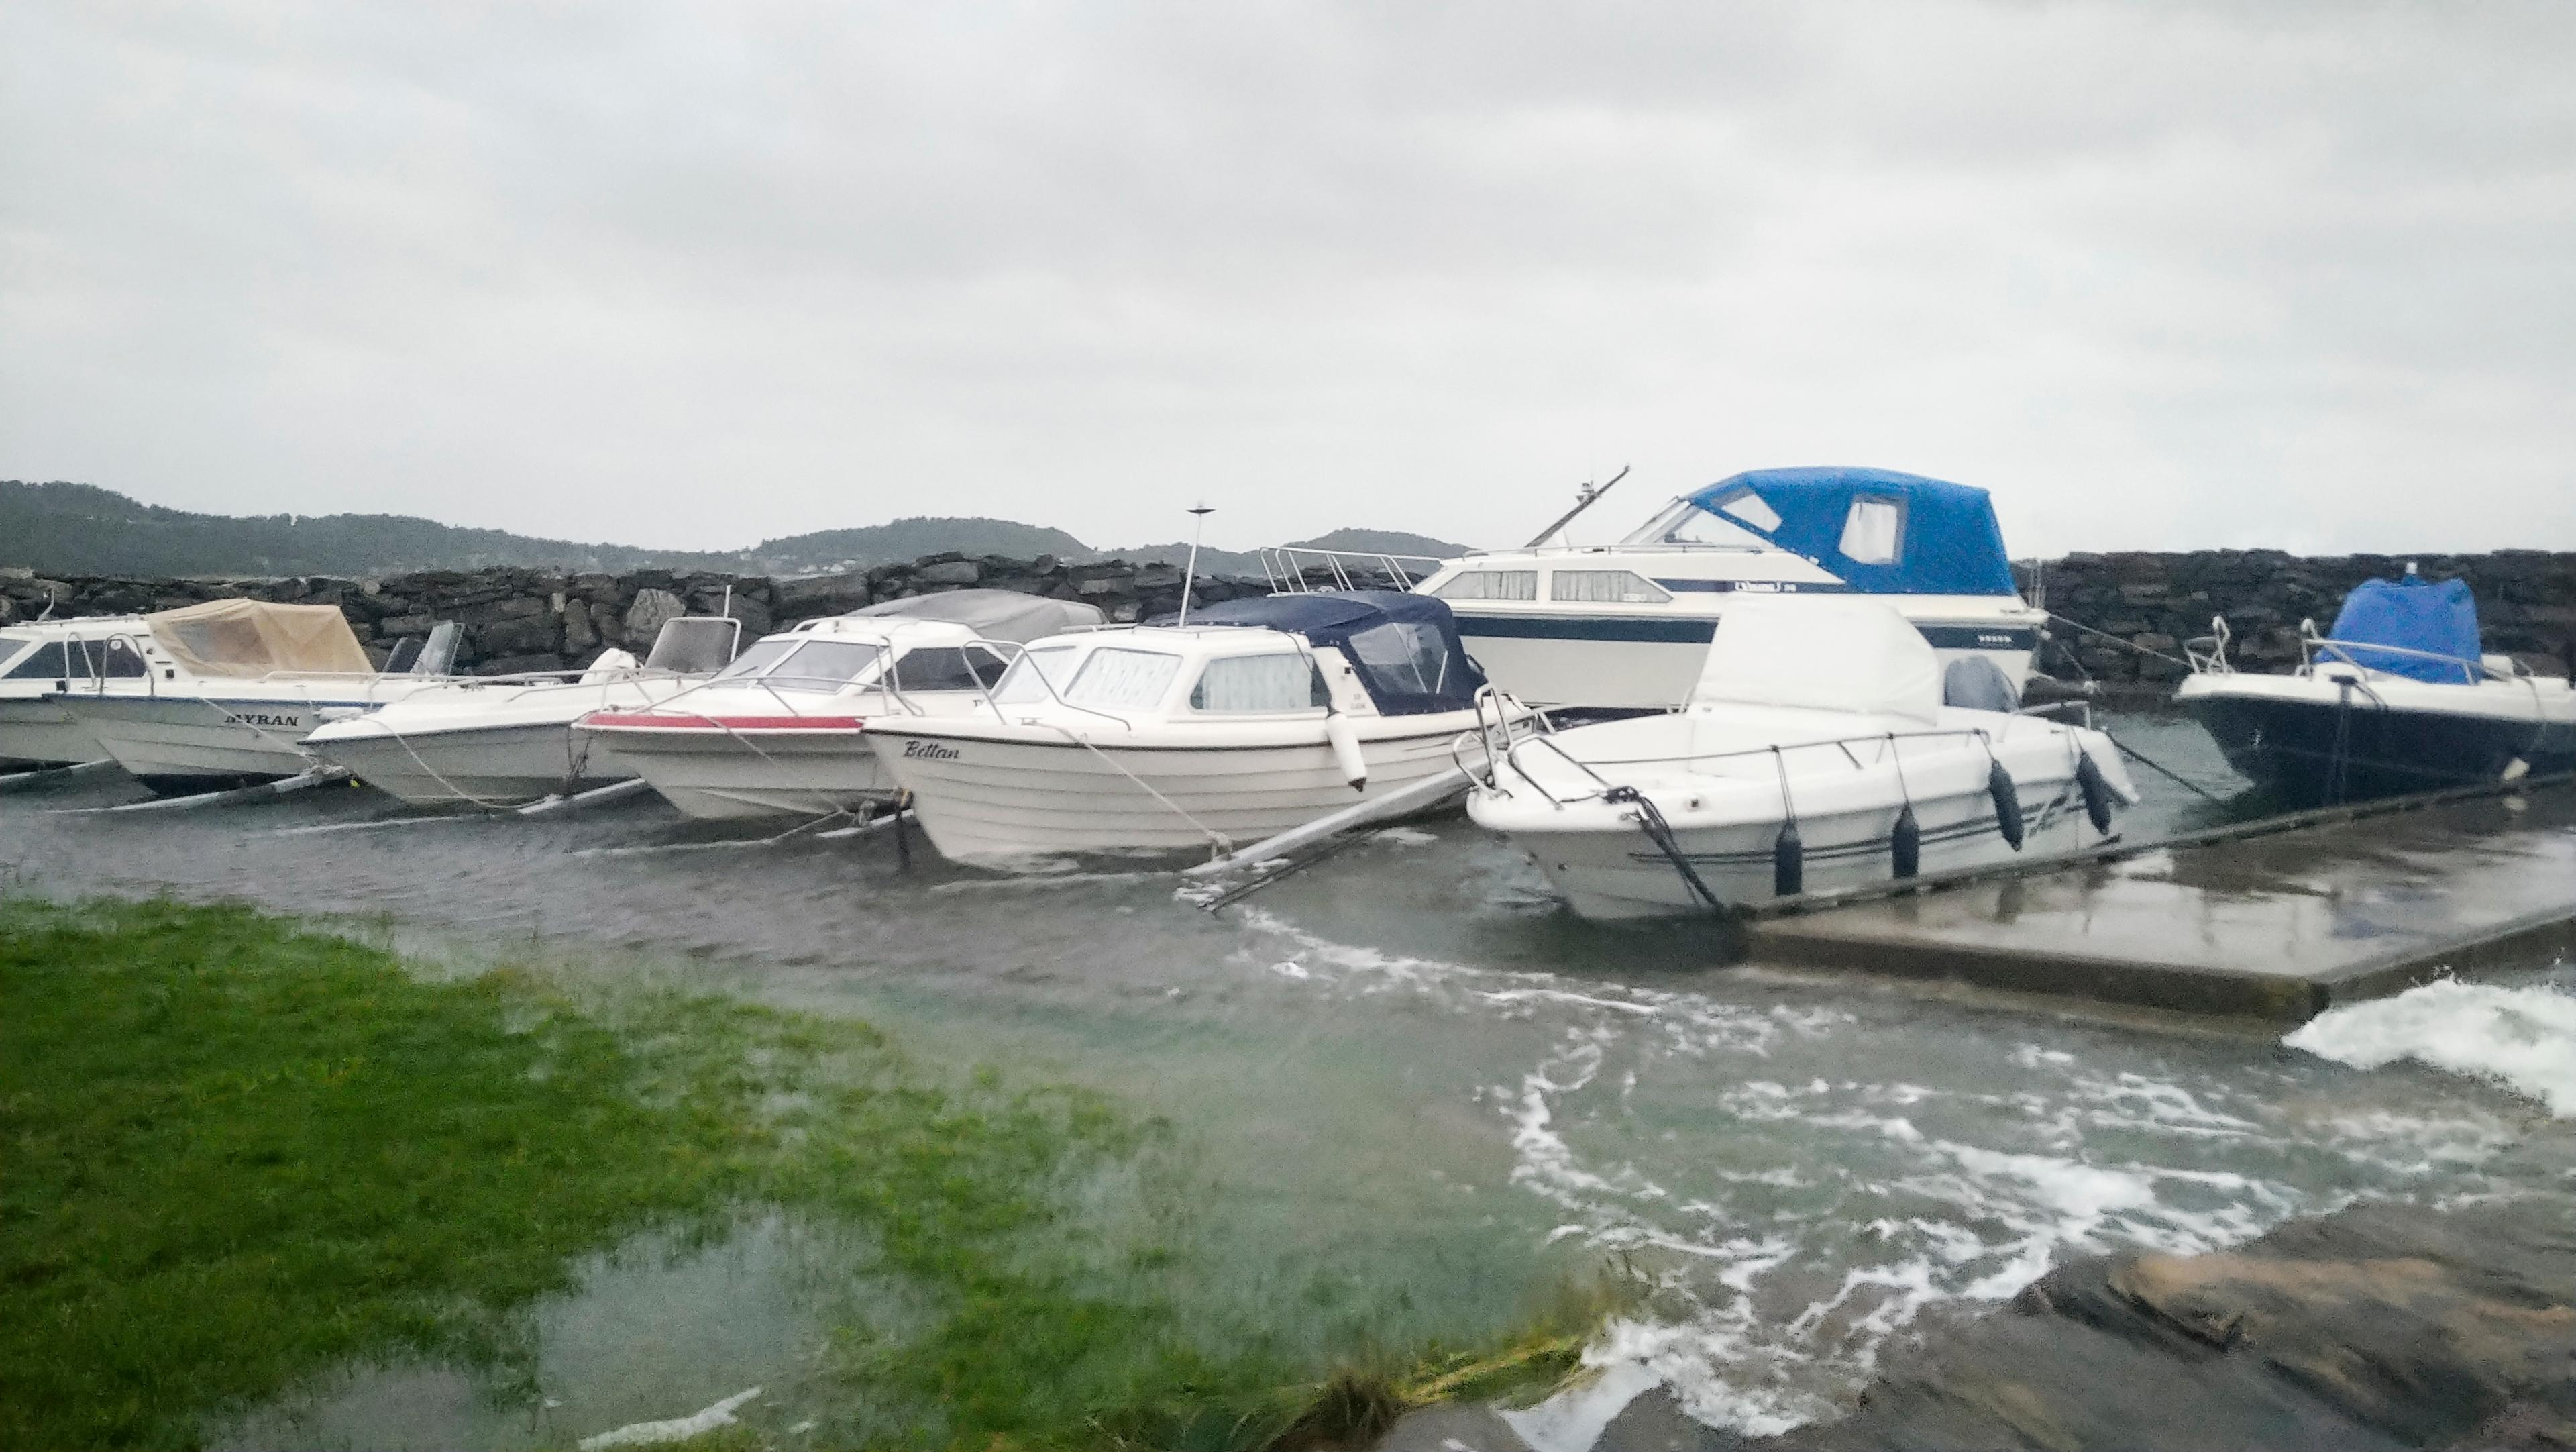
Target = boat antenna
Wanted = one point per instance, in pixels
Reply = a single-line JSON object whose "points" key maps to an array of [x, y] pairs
{"points": [[1198, 526], [1584, 494]]}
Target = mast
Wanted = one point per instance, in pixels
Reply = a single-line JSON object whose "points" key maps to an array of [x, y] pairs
{"points": [[1198, 526], [1584, 494]]}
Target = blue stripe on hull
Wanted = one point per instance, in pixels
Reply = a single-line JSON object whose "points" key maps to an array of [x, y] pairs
{"points": [[1700, 632]]}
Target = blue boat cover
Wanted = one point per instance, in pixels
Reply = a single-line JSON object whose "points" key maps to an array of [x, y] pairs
{"points": [[2415, 614], [1405, 647], [1949, 543]]}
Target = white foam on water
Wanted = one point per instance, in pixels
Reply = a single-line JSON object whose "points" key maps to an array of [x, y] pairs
{"points": [[1572, 1420], [2522, 1039], [678, 1429], [1406, 836]]}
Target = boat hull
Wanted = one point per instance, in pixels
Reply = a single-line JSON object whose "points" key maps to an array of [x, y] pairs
{"points": [[1617, 873], [181, 744], [502, 765], [1653, 662], [2289, 746], [814, 766], [995, 798], [35, 732]]}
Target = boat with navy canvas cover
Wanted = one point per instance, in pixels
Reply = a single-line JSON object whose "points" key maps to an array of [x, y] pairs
{"points": [[1627, 626], [1255, 716], [1823, 748], [504, 741], [229, 691], [778, 732], [2398, 697], [40, 659]]}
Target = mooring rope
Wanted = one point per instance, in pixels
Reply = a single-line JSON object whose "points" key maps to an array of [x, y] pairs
{"points": [[1650, 820]]}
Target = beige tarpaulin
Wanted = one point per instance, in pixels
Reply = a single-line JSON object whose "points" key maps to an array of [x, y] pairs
{"points": [[253, 638]]}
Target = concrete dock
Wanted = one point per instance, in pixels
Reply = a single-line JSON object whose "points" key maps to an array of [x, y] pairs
{"points": [[2278, 925]]}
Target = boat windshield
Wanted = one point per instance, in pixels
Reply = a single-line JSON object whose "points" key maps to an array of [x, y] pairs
{"points": [[1685, 522], [824, 665], [803, 665], [1030, 678], [1405, 654], [762, 655]]}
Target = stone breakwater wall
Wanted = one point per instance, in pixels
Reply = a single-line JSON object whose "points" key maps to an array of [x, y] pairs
{"points": [[2526, 605], [527, 620], [536, 620]]}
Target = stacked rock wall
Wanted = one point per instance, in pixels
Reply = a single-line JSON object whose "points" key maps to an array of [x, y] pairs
{"points": [[521, 620], [2154, 602], [534, 620]]}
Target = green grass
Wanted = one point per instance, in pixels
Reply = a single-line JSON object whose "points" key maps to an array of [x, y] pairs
{"points": [[235, 1153]]}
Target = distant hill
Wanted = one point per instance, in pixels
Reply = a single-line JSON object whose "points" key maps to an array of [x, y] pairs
{"points": [[829, 550], [79, 529]]}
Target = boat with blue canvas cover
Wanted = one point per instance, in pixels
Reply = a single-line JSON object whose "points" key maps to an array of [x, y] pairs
{"points": [[2398, 697], [1627, 626]]}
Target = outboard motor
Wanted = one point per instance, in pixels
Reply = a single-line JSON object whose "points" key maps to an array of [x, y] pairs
{"points": [[1975, 683]]}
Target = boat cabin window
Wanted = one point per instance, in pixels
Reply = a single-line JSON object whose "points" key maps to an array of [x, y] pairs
{"points": [[1490, 585], [46, 661], [823, 665], [1408, 656], [1684, 522], [1132, 679], [1874, 531], [1617, 587], [1027, 681], [117, 659], [946, 668], [1260, 683]]}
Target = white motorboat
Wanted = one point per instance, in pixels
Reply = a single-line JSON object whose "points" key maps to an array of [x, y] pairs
{"points": [[40, 660], [2399, 697], [1627, 626], [229, 690], [778, 732], [1256, 716], [1819, 752], [503, 741]]}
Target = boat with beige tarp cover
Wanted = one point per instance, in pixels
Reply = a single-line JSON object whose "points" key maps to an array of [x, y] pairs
{"points": [[226, 692]]}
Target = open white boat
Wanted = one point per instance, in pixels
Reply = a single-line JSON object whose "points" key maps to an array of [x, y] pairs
{"points": [[2400, 697], [40, 660], [228, 692], [778, 732], [1818, 753], [504, 741], [1256, 716], [1627, 626]]}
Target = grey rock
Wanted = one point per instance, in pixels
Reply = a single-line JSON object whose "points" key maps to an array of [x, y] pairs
{"points": [[652, 607], [951, 572]]}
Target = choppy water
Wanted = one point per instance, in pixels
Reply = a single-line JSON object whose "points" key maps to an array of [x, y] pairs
{"points": [[1420, 1091]]}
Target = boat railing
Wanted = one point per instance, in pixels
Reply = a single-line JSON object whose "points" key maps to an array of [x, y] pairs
{"points": [[1512, 753], [2315, 649], [1290, 569]]}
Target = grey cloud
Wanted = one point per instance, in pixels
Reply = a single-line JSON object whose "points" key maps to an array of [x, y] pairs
{"points": [[2158, 275]]}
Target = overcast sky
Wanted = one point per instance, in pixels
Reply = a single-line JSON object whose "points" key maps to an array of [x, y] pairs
{"points": [[2158, 275]]}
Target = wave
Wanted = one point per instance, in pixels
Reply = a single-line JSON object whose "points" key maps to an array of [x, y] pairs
{"points": [[2523, 1039]]}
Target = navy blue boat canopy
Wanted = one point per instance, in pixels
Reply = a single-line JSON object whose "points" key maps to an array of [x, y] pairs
{"points": [[1881, 532], [2413, 614], [1405, 647]]}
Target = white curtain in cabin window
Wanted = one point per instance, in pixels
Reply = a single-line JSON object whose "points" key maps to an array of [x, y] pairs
{"points": [[1617, 587], [1257, 683], [1123, 679], [1872, 532], [1491, 585]]}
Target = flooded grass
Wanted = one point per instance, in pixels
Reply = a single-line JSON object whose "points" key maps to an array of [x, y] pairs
{"points": [[241, 1153]]}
